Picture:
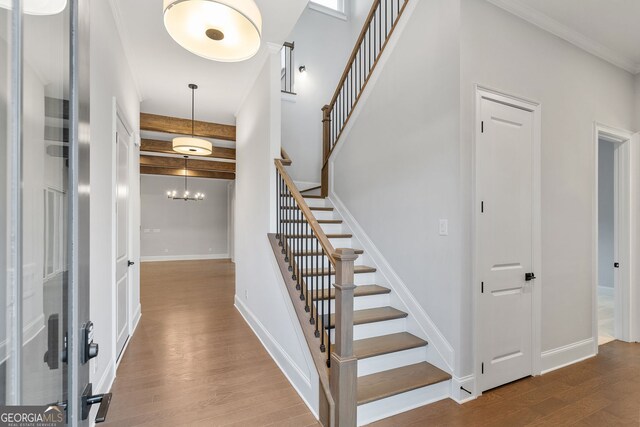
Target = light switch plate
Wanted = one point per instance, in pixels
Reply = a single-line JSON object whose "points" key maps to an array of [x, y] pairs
{"points": [[444, 227]]}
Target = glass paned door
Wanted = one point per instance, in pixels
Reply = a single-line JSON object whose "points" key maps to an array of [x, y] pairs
{"points": [[41, 313]]}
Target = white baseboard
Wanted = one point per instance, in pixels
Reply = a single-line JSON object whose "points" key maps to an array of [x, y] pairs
{"points": [[183, 257], [567, 355], [605, 291], [460, 395], [296, 377], [136, 319], [443, 356]]}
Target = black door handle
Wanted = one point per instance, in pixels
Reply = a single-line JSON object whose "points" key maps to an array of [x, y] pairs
{"points": [[616, 265], [104, 400], [529, 277], [130, 263]]}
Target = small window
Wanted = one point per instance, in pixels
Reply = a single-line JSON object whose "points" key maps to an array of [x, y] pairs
{"points": [[332, 7]]}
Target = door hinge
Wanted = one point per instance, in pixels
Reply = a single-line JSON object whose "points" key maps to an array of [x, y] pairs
{"points": [[482, 367], [482, 126], [482, 287]]}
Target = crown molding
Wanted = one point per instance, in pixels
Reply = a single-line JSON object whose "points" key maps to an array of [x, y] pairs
{"points": [[539, 19]]}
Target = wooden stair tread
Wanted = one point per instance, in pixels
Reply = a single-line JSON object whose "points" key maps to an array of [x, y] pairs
{"points": [[329, 236], [372, 315], [320, 221], [357, 269], [360, 291], [313, 208], [319, 253], [400, 380], [385, 344]]}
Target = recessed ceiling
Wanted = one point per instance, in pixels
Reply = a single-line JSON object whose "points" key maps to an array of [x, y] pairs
{"points": [[163, 69], [609, 29]]}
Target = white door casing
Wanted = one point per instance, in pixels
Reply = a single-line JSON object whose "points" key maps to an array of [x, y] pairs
{"points": [[507, 226], [122, 236]]}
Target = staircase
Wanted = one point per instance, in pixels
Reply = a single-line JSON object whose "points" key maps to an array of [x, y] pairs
{"points": [[392, 374]]}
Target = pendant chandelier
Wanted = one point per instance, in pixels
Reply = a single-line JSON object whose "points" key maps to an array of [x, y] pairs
{"points": [[190, 144], [186, 196], [220, 30], [38, 7]]}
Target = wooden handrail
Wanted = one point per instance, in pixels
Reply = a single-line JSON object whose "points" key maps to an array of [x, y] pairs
{"points": [[356, 48], [376, 32], [311, 219]]}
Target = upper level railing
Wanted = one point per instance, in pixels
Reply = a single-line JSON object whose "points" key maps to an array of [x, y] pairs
{"points": [[323, 278], [376, 32], [287, 75]]}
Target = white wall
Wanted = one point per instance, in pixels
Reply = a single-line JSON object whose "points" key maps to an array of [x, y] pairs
{"points": [[398, 172], [260, 293], [575, 90], [418, 139], [175, 229], [323, 44], [606, 210], [110, 77]]}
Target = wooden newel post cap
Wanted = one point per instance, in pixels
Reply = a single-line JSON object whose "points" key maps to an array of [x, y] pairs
{"points": [[345, 254]]}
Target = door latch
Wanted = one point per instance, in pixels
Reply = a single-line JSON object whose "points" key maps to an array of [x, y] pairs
{"points": [[104, 400], [529, 277]]}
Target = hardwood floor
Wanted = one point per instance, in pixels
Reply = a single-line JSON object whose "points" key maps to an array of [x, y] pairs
{"points": [[601, 392], [194, 361]]}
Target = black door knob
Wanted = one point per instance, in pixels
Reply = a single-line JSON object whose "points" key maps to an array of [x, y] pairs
{"points": [[130, 263], [529, 277]]}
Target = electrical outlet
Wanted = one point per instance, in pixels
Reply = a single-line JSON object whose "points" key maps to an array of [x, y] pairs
{"points": [[444, 227]]}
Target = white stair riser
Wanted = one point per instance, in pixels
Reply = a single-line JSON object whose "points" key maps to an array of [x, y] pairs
{"points": [[403, 402], [325, 215], [359, 303], [360, 279], [313, 202], [373, 365], [318, 261], [334, 228], [376, 329]]}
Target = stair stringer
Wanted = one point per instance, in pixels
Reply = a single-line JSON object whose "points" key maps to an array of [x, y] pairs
{"points": [[440, 353]]}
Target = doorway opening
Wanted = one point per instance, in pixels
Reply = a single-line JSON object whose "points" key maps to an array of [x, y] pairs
{"points": [[612, 230]]}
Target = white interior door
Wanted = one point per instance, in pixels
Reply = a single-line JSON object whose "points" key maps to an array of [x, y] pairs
{"points": [[505, 242], [122, 237]]}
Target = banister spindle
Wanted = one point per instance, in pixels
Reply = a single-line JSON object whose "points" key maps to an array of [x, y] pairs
{"points": [[344, 365]]}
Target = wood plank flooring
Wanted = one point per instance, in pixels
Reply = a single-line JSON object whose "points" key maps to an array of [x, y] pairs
{"points": [[194, 361], [601, 392]]}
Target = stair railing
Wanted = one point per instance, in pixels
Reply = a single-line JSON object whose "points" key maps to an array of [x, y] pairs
{"points": [[320, 273], [376, 32]]}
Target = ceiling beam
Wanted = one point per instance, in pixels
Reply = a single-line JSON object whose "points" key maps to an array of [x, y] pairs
{"points": [[166, 124], [177, 163], [149, 170], [157, 146]]}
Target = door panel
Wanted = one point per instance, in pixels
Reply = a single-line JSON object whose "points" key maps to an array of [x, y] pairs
{"points": [[505, 227], [44, 207], [122, 218]]}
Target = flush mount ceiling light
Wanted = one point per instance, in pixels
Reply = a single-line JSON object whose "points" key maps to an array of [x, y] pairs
{"points": [[220, 30], [190, 144], [38, 7]]}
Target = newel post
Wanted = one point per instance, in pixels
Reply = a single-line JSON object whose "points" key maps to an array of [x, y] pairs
{"points": [[326, 149], [344, 365]]}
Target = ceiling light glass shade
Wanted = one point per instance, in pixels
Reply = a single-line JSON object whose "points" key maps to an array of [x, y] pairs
{"points": [[192, 146], [220, 30], [38, 7]]}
